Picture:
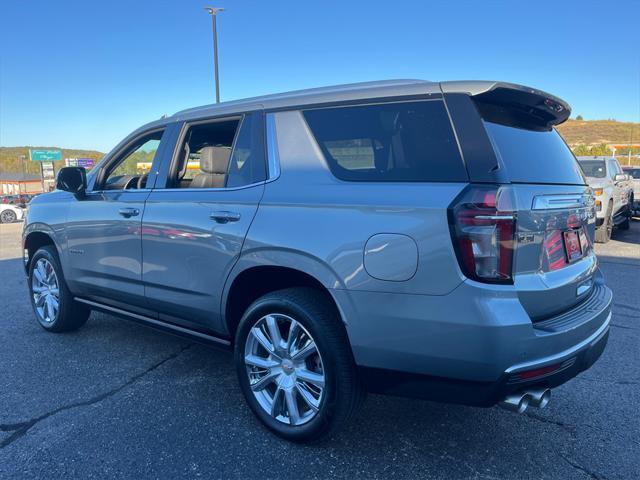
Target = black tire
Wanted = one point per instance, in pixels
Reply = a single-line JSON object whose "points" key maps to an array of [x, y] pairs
{"points": [[603, 234], [625, 225], [628, 213], [8, 216], [342, 394], [71, 315]]}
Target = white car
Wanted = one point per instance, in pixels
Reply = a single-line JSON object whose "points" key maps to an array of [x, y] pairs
{"points": [[10, 213]]}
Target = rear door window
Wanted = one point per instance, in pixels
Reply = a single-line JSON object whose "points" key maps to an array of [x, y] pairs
{"points": [[389, 142], [534, 156]]}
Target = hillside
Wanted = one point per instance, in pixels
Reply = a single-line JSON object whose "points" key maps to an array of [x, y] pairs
{"points": [[594, 132], [11, 158]]}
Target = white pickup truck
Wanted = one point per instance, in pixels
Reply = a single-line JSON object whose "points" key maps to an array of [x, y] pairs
{"points": [[613, 191]]}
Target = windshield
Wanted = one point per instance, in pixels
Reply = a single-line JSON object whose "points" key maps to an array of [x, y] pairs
{"points": [[593, 168], [534, 156]]}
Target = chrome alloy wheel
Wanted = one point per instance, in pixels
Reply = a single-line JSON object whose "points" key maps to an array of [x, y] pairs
{"points": [[45, 290], [285, 369]]}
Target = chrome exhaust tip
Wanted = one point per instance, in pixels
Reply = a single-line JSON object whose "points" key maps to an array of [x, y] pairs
{"points": [[517, 402], [539, 398]]}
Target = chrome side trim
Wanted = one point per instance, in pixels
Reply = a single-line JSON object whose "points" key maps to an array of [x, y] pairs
{"points": [[494, 217], [550, 202], [273, 156], [154, 322]]}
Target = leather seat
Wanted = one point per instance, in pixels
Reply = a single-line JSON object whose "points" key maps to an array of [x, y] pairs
{"points": [[214, 162]]}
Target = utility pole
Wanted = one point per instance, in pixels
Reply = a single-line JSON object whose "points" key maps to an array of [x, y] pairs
{"points": [[213, 11]]}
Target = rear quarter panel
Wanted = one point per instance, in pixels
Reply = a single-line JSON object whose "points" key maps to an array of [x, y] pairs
{"points": [[309, 214]]}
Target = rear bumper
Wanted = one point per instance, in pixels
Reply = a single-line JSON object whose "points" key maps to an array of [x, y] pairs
{"points": [[471, 346], [486, 394]]}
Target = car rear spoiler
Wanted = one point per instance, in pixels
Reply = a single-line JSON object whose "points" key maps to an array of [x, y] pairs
{"points": [[512, 104]]}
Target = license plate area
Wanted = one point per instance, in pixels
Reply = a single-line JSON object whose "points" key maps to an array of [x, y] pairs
{"points": [[572, 245]]}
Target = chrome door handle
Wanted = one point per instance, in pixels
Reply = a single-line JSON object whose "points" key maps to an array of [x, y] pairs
{"points": [[129, 212], [224, 217]]}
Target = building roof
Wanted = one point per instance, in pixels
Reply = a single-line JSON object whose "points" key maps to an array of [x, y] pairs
{"points": [[19, 177]]}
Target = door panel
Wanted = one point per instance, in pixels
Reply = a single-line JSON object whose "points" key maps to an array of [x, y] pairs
{"points": [[103, 226], [104, 246], [191, 239]]}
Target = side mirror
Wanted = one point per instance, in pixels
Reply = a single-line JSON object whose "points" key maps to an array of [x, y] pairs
{"points": [[72, 179], [620, 177]]}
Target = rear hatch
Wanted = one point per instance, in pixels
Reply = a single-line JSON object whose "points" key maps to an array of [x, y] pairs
{"points": [[539, 184]]}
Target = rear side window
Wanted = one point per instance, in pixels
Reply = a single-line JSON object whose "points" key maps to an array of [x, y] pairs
{"points": [[391, 142], [534, 156]]}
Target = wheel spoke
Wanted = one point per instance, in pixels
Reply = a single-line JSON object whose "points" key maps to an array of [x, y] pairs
{"points": [[38, 289], [308, 376], [264, 341], [275, 404], [54, 304], [40, 300], [42, 271], [292, 406], [260, 362], [38, 274], [305, 351], [263, 381], [308, 398], [55, 292], [294, 331], [274, 332], [50, 308]]}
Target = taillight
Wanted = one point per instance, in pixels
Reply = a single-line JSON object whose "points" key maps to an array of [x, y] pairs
{"points": [[482, 222]]}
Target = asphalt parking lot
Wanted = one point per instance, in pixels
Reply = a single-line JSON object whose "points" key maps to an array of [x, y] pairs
{"points": [[119, 400]]}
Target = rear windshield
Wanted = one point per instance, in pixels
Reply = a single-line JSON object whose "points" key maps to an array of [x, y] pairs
{"points": [[534, 156], [389, 142], [593, 168]]}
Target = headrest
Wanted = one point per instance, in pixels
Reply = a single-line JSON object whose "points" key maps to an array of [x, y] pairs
{"points": [[215, 160]]}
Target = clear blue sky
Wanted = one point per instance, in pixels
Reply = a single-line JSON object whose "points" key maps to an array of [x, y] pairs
{"points": [[84, 74]]}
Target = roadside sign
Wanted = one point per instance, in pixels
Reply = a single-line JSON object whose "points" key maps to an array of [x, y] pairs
{"points": [[86, 163], [47, 170], [45, 155], [79, 162]]}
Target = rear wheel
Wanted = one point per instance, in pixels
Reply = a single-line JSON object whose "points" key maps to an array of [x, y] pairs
{"points": [[52, 302], [603, 234], [8, 216], [295, 365]]}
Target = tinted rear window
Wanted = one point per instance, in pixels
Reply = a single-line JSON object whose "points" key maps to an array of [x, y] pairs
{"points": [[593, 168], [391, 142], [534, 156]]}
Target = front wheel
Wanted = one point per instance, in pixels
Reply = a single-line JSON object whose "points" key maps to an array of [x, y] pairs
{"points": [[295, 365], [52, 302], [8, 216]]}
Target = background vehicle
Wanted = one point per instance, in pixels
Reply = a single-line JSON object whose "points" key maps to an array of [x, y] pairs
{"points": [[10, 213], [613, 191], [634, 171], [404, 237], [20, 200]]}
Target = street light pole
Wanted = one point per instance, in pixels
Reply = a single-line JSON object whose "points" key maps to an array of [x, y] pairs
{"points": [[213, 11]]}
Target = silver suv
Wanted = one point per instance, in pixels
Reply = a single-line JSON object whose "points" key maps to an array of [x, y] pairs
{"points": [[432, 240]]}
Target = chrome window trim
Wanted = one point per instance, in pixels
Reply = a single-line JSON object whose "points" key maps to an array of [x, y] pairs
{"points": [[213, 189], [273, 154]]}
